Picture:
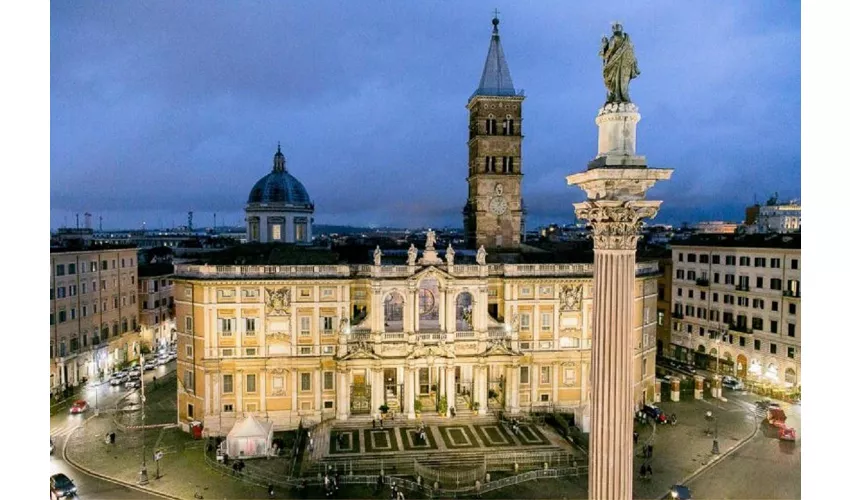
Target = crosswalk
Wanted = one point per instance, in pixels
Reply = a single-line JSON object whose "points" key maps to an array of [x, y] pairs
{"points": [[64, 429]]}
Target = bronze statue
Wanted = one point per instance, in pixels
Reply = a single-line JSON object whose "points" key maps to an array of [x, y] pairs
{"points": [[619, 65]]}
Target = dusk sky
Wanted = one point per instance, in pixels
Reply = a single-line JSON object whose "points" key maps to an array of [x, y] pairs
{"points": [[162, 107]]}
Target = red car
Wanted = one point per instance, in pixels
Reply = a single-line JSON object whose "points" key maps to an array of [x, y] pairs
{"points": [[79, 406]]}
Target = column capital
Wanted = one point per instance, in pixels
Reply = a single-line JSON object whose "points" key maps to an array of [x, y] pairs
{"points": [[616, 225]]}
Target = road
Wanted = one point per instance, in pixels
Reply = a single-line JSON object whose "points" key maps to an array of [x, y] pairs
{"points": [[62, 424], [763, 468]]}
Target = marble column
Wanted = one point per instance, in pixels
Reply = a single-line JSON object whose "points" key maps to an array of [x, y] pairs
{"points": [[482, 371], [657, 398], [238, 390], [442, 381], [409, 389], [342, 390], [557, 371], [616, 182], [535, 380], [207, 399], [450, 388], [514, 392]]}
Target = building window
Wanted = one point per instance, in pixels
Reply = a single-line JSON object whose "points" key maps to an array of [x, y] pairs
{"points": [[327, 325], [228, 408], [729, 279], [759, 282], [758, 324], [189, 324], [328, 381], [250, 383], [643, 368], [276, 232], [742, 341], [703, 258], [761, 262], [60, 269], [306, 381], [190, 410], [774, 326], [569, 376], [773, 348], [524, 322], [730, 260], [329, 405], [692, 257], [744, 261], [545, 375], [250, 326], [546, 322], [225, 326], [227, 383], [774, 306], [190, 351], [791, 353], [795, 264], [775, 284], [523, 375], [62, 316], [680, 274], [85, 311], [792, 330], [189, 380], [715, 259], [104, 266], [717, 278], [305, 326], [681, 257], [757, 344], [73, 313]]}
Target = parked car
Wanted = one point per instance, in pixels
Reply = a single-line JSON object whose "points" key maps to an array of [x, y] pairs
{"points": [[150, 365], [61, 486], [135, 372], [133, 383], [654, 413], [118, 374], [79, 406]]}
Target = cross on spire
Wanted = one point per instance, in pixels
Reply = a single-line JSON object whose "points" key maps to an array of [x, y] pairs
{"points": [[496, 13]]}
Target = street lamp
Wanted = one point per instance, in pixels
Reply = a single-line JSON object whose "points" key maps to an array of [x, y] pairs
{"points": [[143, 474]]}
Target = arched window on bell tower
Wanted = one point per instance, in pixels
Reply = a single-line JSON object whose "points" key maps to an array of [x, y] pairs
{"points": [[508, 125], [491, 125]]}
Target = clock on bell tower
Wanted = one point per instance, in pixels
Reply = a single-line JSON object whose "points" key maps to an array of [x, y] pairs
{"points": [[494, 213]]}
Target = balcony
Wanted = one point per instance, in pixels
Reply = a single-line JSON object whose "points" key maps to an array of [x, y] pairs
{"points": [[740, 328], [430, 337], [465, 335], [791, 293], [394, 337], [702, 282], [742, 288]]}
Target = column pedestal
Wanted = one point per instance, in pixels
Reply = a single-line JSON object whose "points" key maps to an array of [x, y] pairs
{"points": [[716, 387], [450, 388], [674, 389], [342, 389], [698, 387], [657, 398]]}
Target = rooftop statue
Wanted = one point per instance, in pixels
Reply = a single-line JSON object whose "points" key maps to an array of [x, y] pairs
{"points": [[619, 65]]}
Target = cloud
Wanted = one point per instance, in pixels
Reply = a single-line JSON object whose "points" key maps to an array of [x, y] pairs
{"points": [[179, 106]]}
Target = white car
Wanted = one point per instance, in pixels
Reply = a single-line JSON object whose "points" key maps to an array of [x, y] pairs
{"points": [[118, 380]]}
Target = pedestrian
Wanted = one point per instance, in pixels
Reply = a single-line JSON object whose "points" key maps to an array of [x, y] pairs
{"points": [[635, 437], [649, 449], [373, 423], [154, 381]]}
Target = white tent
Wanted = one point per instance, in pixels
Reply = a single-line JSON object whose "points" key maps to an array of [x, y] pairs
{"points": [[249, 438]]}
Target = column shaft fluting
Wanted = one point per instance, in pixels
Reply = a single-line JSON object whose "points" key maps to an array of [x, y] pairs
{"points": [[612, 375]]}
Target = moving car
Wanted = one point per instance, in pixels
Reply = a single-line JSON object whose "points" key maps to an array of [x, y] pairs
{"points": [[133, 383], [150, 365], [118, 380], [79, 406], [135, 372], [732, 383], [61, 486], [679, 492]]}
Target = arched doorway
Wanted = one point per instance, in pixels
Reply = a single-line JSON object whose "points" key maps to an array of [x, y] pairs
{"points": [[727, 364], [394, 313], [741, 366], [429, 305], [790, 377], [701, 358], [755, 370], [463, 312]]}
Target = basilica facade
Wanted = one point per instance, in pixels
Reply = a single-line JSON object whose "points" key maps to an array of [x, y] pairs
{"points": [[305, 343]]}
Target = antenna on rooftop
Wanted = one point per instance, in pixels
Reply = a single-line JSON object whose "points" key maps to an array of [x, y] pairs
{"points": [[100, 223], [78, 220], [190, 220]]}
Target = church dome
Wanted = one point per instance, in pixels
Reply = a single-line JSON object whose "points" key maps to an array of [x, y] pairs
{"points": [[279, 186]]}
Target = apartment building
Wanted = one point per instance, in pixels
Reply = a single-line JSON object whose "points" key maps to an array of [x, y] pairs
{"points": [[156, 304], [737, 306], [93, 311]]}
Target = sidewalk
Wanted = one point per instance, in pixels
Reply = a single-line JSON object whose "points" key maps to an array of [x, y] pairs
{"points": [[681, 450], [183, 472]]}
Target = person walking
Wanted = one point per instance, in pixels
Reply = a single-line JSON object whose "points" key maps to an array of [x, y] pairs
{"points": [[635, 437]]}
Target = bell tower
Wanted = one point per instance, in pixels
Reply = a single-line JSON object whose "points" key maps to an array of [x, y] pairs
{"points": [[494, 213]]}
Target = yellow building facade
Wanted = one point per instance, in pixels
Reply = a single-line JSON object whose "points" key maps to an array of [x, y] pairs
{"points": [[306, 343]]}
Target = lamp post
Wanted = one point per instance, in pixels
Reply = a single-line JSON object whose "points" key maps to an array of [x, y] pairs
{"points": [[143, 474]]}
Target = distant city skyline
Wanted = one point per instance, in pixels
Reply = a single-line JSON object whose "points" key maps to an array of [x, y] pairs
{"points": [[151, 117]]}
